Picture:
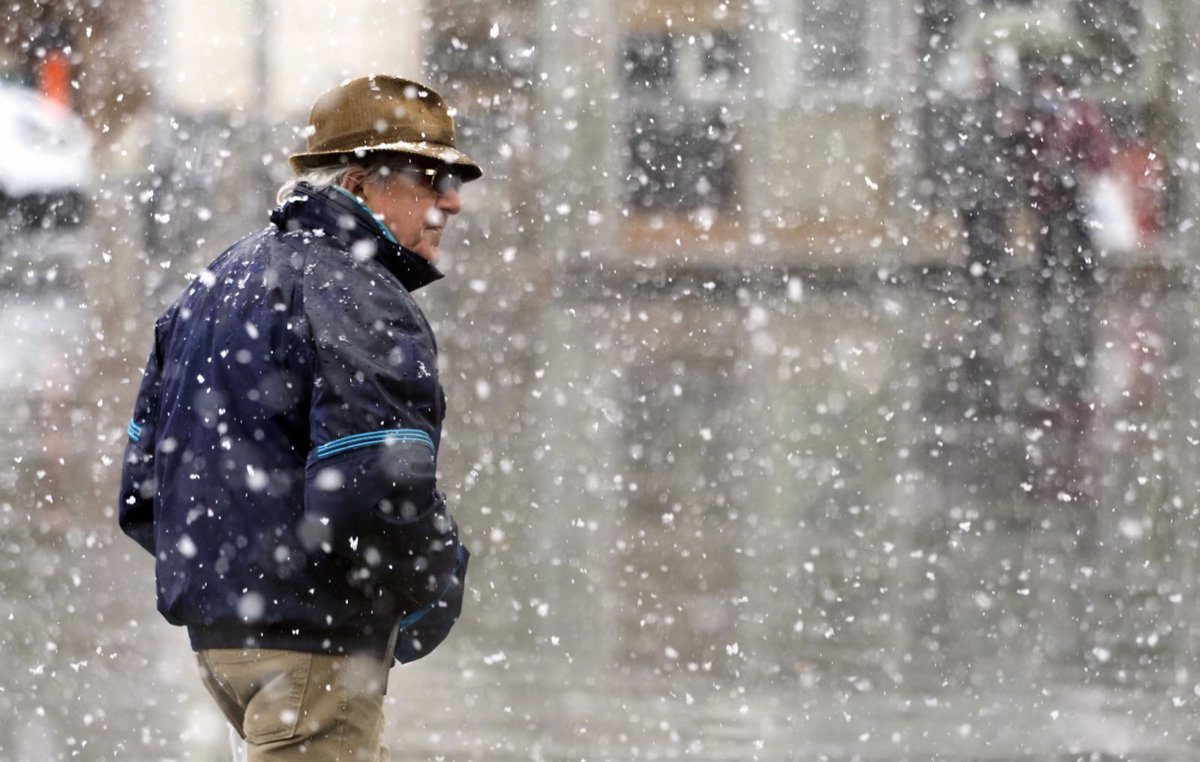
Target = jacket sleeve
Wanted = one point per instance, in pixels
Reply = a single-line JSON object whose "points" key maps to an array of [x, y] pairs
{"points": [[370, 482], [136, 499], [425, 629]]}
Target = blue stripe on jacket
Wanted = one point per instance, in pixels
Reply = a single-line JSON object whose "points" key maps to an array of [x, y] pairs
{"points": [[387, 436]]}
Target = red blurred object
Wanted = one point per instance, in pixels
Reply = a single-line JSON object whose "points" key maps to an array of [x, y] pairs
{"points": [[54, 78], [1071, 141], [1142, 172]]}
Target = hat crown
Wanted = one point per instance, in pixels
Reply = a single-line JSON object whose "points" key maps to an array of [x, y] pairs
{"points": [[379, 110], [381, 113]]}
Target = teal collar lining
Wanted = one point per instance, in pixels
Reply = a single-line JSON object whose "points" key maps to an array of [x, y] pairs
{"points": [[382, 228]]}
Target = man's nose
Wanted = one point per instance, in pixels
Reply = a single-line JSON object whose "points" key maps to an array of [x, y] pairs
{"points": [[450, 202]]}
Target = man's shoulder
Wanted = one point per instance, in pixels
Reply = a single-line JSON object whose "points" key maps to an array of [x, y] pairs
{"points": [[357, 299], [260, 260], [271, 241], [350, 277], [279, 255], [331, 264]]}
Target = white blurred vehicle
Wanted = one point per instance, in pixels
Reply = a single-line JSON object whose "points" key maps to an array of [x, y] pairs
{"points": [[45, 159]]}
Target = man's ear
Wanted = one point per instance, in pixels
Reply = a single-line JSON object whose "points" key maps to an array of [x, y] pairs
{"points": [[353, 181]]}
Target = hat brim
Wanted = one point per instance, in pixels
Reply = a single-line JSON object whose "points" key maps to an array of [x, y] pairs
{"points": [[301, 162]]}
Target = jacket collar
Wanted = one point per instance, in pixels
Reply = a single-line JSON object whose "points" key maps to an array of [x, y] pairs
{"points": [[343, 217]]}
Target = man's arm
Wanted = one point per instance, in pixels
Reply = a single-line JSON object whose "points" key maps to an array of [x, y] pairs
{"points": [[136, 498], [370, 493]]}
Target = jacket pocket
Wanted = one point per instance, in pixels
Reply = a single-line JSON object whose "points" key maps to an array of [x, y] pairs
{"points": [[425, 553], [357, 497], [376, 511]]}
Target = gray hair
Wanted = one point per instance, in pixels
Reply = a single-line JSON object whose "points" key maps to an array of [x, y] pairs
{"points": [[321, 178]]}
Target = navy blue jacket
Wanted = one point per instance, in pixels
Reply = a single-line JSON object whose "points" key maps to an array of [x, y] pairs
{"points": [[281, 458]]}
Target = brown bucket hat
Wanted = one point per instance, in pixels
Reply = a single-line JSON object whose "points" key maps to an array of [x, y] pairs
{"points": [[381, 113]]}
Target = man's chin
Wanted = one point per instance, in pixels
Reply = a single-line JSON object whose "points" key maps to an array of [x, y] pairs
{"points": [[429, 248]]}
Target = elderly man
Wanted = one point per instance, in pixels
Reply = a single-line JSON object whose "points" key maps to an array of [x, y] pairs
{"points": [[282, 454]]}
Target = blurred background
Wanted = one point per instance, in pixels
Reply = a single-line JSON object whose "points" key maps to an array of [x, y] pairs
{"points": [[822, 374]]}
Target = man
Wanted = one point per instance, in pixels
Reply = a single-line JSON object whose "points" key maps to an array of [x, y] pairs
{"points": [[984, 175], [282, 453], [1070, 145]]}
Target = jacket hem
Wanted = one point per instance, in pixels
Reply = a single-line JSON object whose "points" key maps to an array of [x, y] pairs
{"points": [[344, 642]]}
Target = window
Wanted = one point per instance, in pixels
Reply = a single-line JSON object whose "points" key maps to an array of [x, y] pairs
{"points": [[1113, 29], [833, 46], [680, 131]]}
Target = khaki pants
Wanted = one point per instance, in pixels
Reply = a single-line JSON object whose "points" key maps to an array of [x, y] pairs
{"points": [[291, 705]]}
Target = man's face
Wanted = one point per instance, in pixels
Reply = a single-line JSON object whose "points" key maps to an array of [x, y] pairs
{"points": [[414, 206]]}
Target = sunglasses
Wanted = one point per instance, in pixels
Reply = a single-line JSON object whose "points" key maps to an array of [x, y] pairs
{"points": [[441, 180]]}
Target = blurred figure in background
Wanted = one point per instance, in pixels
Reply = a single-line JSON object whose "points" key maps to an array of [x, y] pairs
{"points": [[987, 172], [985, 183], [1069, 146], [282, 457]]}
